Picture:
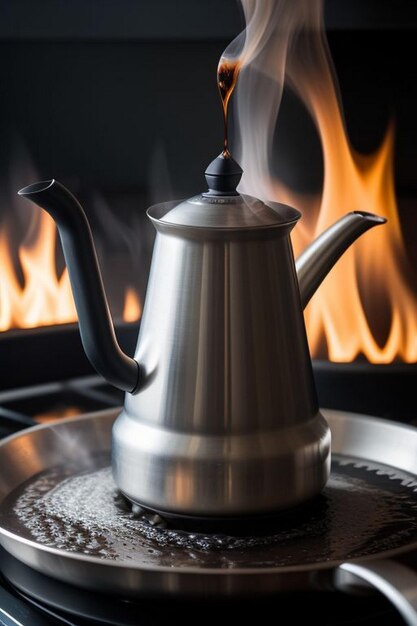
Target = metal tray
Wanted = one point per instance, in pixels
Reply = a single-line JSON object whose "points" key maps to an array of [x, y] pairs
{"points": [[362, 530]]}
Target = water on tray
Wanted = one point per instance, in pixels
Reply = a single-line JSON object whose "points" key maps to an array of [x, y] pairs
{"points": [[364, 509]]}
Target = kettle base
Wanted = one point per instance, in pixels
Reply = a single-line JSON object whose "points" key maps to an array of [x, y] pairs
{"points": [[200, 476], [235, 525]]}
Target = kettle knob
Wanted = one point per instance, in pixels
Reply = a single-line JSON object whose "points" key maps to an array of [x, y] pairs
{"points": [[223, 176]]}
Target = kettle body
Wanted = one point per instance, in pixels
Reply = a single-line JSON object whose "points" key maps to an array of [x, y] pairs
{"points": [[221, 416], [228, 421]]}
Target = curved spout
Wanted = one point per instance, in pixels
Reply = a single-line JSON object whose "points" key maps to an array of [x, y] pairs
{"points": [[96, 326], [317, 260]]}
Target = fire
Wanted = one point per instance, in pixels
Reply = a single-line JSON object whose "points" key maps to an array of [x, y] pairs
{"points": [[42, 297], [372, 277], [132, 309], [367, 306]]}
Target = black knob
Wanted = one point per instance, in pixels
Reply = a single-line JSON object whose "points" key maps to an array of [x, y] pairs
{"points": [[223, 176]]}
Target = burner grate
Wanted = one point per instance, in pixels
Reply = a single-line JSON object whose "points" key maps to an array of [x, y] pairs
{"points": [[28, 406]]}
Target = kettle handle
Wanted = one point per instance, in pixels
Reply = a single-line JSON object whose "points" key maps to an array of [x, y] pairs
{"points": [[397, 581]]}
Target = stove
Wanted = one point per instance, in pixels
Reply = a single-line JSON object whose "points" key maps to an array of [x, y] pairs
{"points": [[29, 597], [112, 50]]}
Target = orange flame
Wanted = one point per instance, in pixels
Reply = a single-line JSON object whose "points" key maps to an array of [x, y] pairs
{"points": [[44, 298], [366, 306], [132, 309], [372, 276]]}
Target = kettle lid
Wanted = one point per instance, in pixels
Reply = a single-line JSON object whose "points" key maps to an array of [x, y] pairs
{"points": [[223, 207]]}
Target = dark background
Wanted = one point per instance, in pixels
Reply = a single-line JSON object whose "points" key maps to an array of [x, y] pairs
{"points": [[108, 92], [118, 100]]}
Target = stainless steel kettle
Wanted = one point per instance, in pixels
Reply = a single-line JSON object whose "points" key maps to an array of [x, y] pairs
{"points": [[221, 418]]}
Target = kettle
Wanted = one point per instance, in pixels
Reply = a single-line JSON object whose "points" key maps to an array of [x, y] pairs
{"points": [[221, 417]]}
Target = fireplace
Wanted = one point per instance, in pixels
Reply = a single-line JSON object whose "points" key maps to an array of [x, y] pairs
{"points": [[83, 103]]}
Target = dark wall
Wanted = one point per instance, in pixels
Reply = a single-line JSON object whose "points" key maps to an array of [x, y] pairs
{"points": [[94, 87], [97, 110], [118, 95], [182, 19]]}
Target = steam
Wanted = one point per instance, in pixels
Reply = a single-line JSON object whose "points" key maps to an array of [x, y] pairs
{"points": [[16, 221], [160, 182], [265, 51], [124, 244], [263, 19]]}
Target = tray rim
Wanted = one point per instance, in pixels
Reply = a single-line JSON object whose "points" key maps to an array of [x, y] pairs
{"points": [[7, 537]]}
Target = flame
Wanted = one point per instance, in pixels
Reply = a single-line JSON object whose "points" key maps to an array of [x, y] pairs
{"points": [[42, 297], [132, 309], [373, 275], [366, 306]]}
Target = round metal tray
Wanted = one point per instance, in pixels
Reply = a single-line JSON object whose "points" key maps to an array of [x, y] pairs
{"points": [[378, 457]]}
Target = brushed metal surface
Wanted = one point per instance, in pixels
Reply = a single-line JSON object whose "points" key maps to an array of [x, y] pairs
{"points": [[239, 212], [37, 449], [226, 421], [314, 263], [396, 581], [223, 418]]}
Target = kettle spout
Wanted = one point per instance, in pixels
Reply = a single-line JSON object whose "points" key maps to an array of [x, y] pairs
{"points": [[318, 258], [96, 325]]}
